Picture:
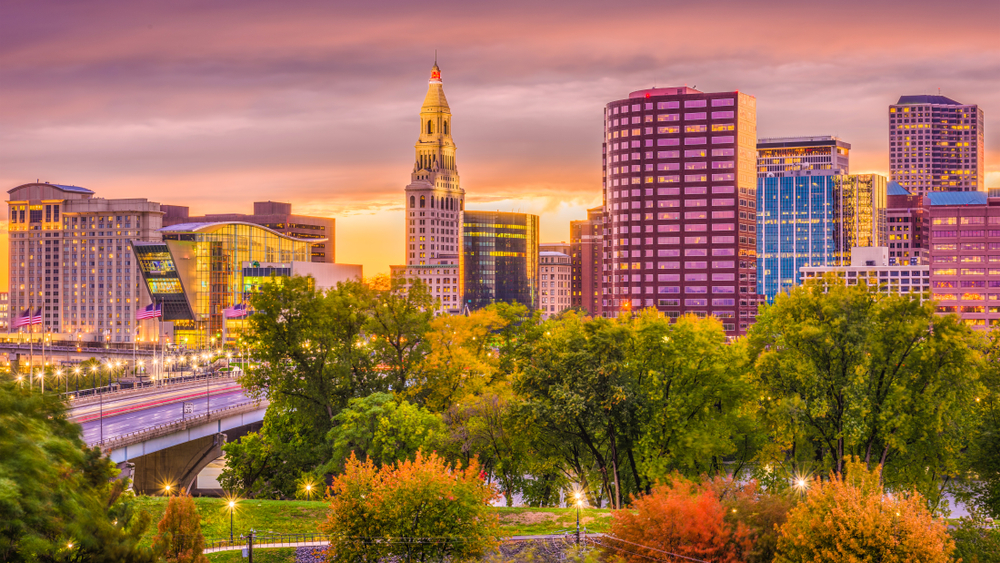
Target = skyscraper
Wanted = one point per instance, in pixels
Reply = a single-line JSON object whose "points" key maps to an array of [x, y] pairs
{"points": [[907, 229], [501, 258], [802, 156], [936, 144], [679, 203], [70, 257], [586, 238], [435, 202]]}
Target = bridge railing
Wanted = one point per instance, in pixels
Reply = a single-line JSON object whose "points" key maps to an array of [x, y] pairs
{"points": [[262, 539], [169, 427]]}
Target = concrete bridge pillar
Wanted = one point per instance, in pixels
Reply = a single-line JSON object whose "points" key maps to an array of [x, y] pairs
{"points": [[177, 466]]}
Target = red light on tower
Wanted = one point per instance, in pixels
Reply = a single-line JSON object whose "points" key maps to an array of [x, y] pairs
{"points": [[647, 95]]}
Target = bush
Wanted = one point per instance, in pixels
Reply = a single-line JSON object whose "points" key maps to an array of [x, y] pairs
{"points": [[680, 517], [850, 519], [179, 538], [759, 511], [976, 541], [420, 510]]}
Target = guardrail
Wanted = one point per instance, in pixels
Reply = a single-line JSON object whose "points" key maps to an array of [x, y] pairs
{"points": [[157, 430], [264, 540], [91, 395]]}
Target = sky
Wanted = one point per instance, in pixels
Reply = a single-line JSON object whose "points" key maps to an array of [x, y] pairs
{"points": [[215, 104]]}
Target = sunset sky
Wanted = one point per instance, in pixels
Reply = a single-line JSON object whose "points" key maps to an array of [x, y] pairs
{"points": [[215, 104]]}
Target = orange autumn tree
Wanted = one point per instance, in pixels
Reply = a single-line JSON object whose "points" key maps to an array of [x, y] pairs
{"points": [[850, 519], [679, 517], [420, 510], [179, 538]]}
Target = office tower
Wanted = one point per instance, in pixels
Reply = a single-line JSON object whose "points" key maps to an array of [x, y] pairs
{"points": [[501, 258], [802, 156], [434, 204], [873, 266], [201, 269], [814, 221], [586, 238], [555, 272], [69, 256], [936, 144], [273, 215], [679, 204], [964, 246], [4, 309], [906, 226]]}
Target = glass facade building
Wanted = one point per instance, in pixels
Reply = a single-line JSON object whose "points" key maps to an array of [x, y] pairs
{"points": [[200, 269], [814, 221], [501, 258]]}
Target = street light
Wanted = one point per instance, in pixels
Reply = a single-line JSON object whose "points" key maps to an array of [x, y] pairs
{"points": [[232, 509], [579, 503]]}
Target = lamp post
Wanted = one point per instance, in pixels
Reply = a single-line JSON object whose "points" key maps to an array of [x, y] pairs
{"points": [[579, 501], [232, 508], [76, 370]]}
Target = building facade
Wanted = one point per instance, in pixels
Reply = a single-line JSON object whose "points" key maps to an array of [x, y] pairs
{"points": [[936, 144], [500, 258], [680, 205], [872, 266], [555, 270], [907, 229], [69, 256], [814, 221], [275, 216], [4, 310], [964, 247], [200, 269], [434, 204], [802, 156], [586, 239]]}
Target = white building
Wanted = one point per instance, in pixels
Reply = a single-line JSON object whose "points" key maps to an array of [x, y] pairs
{"points": [[555, 272], [870, 265]]}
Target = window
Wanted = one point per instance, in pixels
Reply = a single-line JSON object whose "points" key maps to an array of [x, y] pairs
{"points": [[722, 140], [695, 141], [722, 115], [668, 154], [723, 152], [668, 130], [694, 153], [695, 128], [695, 103], [723, 102], [668, 105], [430, 127]]}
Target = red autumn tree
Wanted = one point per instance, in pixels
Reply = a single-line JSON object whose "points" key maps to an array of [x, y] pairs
{"points": [[178, 538], [678, 517], [850, 519]]}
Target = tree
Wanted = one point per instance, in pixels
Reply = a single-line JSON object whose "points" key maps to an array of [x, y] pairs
{"points": [[179, 538], [845, 370], [678, 517], [414, 510], [984, 452], [397, 323], [850, 519], [976, 540], [381, 429], [57, 501]]}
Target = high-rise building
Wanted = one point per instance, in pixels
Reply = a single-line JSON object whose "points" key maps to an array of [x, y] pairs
{"points": [[555, 271], [936, 144], [434, 203], [586, 239], [4, 309], [907, 229], [70, 257], [679, 204], [964, 246], [814, 221], [273, 215], [501, 258], [802, 156]]}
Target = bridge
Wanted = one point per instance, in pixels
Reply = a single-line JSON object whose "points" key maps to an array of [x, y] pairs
{"points": [[164, 436]]}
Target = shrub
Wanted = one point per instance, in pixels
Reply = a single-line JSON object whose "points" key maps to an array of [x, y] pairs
{"points": [[420, 510], [850, 519], [976, 540], [179, 538], [679, 517]]}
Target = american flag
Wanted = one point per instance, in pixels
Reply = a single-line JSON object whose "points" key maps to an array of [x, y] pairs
{"points": [[23, 319], [36, 318], [150, 311], [236, 311]]}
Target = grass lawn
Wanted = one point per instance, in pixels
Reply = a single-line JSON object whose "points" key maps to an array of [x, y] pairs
{"points": [[299, 516]]}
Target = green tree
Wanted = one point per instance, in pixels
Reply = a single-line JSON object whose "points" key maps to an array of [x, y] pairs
{"points": [[397, 323], [976, 540], [845, 370], [984, 451], [57, 501], [179, 538], [382, 429]]}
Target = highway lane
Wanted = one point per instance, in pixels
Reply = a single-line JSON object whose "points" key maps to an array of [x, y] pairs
{"points": [[132, 421], [121, 404]]}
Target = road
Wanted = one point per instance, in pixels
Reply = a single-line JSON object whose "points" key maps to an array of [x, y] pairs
{"points": [[128, 414]]}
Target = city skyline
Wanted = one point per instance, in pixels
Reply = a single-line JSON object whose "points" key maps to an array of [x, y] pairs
{"points": [[219, 108]]}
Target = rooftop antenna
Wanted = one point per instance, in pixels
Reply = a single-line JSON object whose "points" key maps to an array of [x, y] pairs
{"points": [[435, 56]]}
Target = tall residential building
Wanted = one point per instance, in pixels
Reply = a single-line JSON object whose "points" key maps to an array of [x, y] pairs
{"points": [[586, 238], [814, 221], [679, 204], [501, 258], [873, 266], [273, 215], [70, 256], [435, 202], [936, 144], [907, 229], [555, 271], [964, 245], [802, 156]]}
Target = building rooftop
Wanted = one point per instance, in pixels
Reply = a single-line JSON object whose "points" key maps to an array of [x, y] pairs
{"points": [[956, 198], [676, 91], [893, 188], [63, 187], [552, 253], [211, 226], [927, 99]]}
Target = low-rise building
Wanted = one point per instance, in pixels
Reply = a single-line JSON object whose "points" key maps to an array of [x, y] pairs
{"points": [[871, 265]]}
